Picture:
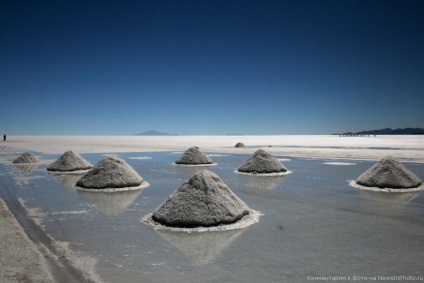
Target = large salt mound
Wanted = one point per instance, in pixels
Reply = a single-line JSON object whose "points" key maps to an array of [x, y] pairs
{"points": [[193, 156], [203, 200], [111, 172], [70, 161], [261, 162], [389, 173], [27, 157]]}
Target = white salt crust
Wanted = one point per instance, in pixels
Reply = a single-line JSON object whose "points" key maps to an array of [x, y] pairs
{"points": [[339, 163], [353, 183], [264, 174], [72, 172], [246, 221], [196, 165], [113, 190]]}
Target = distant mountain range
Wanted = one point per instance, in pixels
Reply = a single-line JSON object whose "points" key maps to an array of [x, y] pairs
{"points": [[389, 131], [154, 133]]}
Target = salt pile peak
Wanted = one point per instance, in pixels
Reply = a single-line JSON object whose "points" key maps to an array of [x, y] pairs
{"points": [[389, 173], [111, 172], [193, 156], [203, 200], [70, 161], [26, 157], [262, 162]]}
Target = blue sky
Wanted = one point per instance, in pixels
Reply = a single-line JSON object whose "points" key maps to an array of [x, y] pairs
{"points": [[210, 67]]}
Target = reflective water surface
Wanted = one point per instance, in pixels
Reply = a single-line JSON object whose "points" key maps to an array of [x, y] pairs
{"points": [[313, 223]]}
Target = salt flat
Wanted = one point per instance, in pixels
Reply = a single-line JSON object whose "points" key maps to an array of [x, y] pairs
{"points": [[407, 148]]}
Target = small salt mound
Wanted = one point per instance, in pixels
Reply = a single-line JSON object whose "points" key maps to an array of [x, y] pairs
{"points": [[203, 200], [111, 173], [239, 144], [261, 162], [69, 161], [389, 173], [193, 156], [27, 157]]}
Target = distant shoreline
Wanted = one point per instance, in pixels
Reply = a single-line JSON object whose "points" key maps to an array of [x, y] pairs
{"points": [[409, 148], [387, 131]]}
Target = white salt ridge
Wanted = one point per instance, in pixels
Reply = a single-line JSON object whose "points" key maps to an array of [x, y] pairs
{"points": [[140, 157], [353, 183], [113, 190], [85, 264], [195, 165], [283, 159], [339, 163], [275, 174], [245, 221], [214, 155]]}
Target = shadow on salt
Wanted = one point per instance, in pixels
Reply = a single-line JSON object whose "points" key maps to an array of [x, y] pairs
{"points": [[247, 220], [115, 190], [354, 184], [275, 174], [195, 165]]}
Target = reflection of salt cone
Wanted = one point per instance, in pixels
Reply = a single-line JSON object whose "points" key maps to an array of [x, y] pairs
{"points": [[110, 203], [391, 204], [187, 171], [261, 183], [66, 180], [389, 198], [26, 167], [201, 248]]}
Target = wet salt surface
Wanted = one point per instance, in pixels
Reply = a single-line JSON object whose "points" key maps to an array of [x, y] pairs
{"points": [[313, 224]]}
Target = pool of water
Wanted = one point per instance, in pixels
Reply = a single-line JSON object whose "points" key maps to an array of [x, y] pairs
{"points": [[313, 223]]}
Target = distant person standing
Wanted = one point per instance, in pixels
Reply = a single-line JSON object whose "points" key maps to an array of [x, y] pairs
{"points": [[4, 137]]}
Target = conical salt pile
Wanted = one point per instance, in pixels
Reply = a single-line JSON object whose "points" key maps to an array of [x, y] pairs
{"points": [[111, 172], [389, 173], [69, 161], [203, 200], [193, 156], [261, 162], [240, 144], [27, 157]]}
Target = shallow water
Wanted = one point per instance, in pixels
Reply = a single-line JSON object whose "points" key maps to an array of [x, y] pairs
{"points": [[314, 223]]}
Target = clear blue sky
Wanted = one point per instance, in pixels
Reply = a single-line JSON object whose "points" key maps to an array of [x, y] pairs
{"points": [[210, 67]]}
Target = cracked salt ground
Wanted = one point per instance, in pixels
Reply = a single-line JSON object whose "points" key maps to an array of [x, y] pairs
{"points": [[309, 216]]}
